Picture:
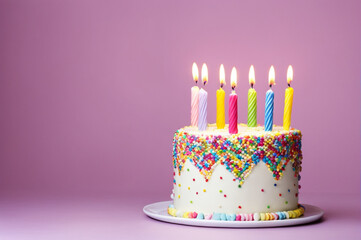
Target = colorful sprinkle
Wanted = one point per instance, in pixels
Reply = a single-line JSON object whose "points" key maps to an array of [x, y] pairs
{"points": [[239, 154], [239, 217], [262, 190], [268, 206]]}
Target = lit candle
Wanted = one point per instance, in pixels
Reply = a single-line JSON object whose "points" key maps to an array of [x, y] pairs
{"points": [[252, 100], [233, 112], [194, 97], [220, 100], [202, 117], [288, 100], [268, 123]]}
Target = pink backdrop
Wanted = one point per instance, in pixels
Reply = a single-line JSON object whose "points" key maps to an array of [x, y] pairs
{"points": [[91, 92]]}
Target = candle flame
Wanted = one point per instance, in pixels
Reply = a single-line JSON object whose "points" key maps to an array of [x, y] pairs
{"points": [[251, 76], [234, 78], [204, 73], [222, 75], [271, 76], [195, 72], [289, 74]]}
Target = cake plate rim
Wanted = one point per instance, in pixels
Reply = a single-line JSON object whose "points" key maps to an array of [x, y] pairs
{"points": [[158, 211]]}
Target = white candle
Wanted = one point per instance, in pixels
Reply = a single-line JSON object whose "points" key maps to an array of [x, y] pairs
{"points": [[202, 116]]}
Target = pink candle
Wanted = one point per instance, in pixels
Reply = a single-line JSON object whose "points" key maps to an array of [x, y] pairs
{"points": [[233, 110], [194, 98], [194, 106], [233, 114]]}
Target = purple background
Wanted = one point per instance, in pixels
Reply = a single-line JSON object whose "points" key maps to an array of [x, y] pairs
{"points": [[91, 92]]}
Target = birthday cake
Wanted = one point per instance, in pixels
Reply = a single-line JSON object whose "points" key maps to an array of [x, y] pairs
{"points": [[237, 172], [249, 176]]}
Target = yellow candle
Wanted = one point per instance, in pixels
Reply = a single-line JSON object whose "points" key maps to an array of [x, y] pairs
{"points": [[221, 122], [288, 100]]}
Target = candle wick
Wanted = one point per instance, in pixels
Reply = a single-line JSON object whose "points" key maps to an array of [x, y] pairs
{"points": [[196, 82], [270, 86], [289, 85], [204, 83], [251, 85], [221, 85], [233, 88]]}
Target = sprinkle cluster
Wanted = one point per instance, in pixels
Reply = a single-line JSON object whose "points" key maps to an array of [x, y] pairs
{"points": [[239, 154], [239, 217]]}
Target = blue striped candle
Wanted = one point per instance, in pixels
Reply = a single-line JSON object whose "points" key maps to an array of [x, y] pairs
{"points": [[268, 121]]}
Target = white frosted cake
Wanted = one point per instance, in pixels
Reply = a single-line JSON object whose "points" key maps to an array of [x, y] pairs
{"points": [[249, 176]]}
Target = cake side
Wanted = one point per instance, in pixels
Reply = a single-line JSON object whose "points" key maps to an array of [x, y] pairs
{"points": [[221, 193], [250, 172]]}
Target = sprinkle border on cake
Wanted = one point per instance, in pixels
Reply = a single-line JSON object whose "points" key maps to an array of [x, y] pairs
{"points": [[239, 153], [282, 215]]}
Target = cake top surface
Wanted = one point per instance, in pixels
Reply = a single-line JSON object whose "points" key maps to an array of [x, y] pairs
{"points": [[243, 130]]}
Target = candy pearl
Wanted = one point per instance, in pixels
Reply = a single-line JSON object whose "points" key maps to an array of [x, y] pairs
{"points": [[200, 216]]}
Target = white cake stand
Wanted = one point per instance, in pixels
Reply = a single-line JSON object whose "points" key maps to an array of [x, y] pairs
{"points": [[158, 211]]}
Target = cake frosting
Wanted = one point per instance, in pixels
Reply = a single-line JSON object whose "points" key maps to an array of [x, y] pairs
{"points": [[252, 175]]}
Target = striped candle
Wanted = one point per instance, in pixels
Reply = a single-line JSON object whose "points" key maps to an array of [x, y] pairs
{"points": [[252, 108], [194, 106], [202, 117], [233, 107], [233, 113], [194, 97], [288, 108], [252, 100], [221, 122], [268, 123], [288, 100], [203, 95]]}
